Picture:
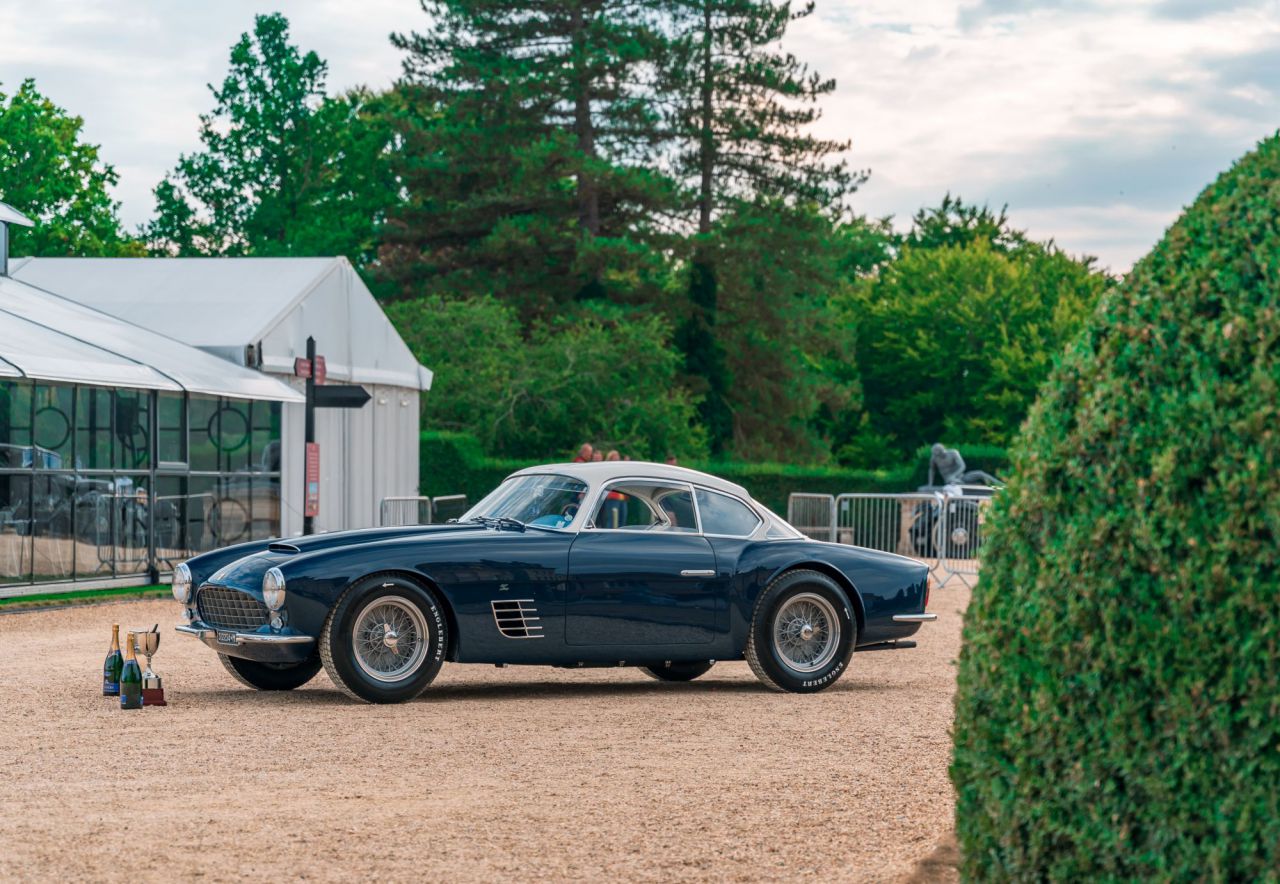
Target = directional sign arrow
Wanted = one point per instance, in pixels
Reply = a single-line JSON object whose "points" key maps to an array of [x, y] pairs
{"points": [[341, 396]]}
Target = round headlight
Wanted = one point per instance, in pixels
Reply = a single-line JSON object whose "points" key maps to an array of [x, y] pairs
{"points": [[273, 589], [182, 583]]}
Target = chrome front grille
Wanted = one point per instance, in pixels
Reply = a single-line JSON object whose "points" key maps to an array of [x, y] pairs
{"points": [[517, 618], [230, 609]]}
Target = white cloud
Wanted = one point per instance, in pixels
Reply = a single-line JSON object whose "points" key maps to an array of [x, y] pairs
{"points": [[1095, 121]]}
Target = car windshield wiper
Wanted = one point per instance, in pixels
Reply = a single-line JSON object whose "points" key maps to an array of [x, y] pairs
{"points": [[500, 522]]}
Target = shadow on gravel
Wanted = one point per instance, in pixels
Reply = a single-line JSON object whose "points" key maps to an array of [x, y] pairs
{"points": [[519, 691]]}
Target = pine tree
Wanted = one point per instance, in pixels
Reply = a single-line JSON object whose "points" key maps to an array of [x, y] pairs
{"points": [[741, 113], [525, 146]]}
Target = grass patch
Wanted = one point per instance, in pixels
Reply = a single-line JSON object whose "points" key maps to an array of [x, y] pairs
{"points": [[83, 597]]}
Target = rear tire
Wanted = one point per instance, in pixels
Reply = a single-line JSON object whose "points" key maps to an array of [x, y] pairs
{"points": [[270, 676], [678, 671], [802, 634], [384, 640]]}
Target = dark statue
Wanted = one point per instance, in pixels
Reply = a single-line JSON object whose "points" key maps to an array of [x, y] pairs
{"points": [[951, 470]]}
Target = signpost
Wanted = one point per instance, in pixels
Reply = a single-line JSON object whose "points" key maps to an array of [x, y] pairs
{"points": [[313, 368]]}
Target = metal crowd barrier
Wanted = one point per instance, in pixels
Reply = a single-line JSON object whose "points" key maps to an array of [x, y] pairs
{"points": [[399, 511], [396, 511], [944, 531], [813, 515]]}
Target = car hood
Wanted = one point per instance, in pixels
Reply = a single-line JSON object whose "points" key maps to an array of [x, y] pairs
{"points": [[245, 571]]}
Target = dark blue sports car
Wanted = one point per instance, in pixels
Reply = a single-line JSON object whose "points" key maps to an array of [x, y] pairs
{"points": [[600, 564]]}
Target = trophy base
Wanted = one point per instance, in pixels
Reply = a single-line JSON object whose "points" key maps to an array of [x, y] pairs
{"points": [[153, 697]]}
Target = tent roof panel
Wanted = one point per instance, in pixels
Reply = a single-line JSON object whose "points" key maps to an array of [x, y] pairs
{"points": [[224, 305], [223, 301], [51, 338]]}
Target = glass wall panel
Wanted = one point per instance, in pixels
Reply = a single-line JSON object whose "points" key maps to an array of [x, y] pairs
{"points": [[265, 456], [203, 434], [94, 412], [172, 418], [133, 429], [76, 499], [52, 518], [171, 522], [130, 515], [201, 503], [233, 436], [95, 517], [15, 529], [230, 517], [15, 425], [54, 416], [266, 509]]}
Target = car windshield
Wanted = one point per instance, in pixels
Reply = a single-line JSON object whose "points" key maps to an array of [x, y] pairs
{"points": [[545, 501]]}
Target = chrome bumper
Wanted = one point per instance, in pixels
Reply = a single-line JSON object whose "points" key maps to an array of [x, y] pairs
{"points": [[914, 618], [209, 636]]}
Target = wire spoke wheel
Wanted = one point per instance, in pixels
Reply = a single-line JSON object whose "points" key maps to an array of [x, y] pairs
{"points": [[390, 639], [806, 632]]}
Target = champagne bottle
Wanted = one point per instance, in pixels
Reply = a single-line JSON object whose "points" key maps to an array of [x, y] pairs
{"points": [[112, 665], [130, 679]]}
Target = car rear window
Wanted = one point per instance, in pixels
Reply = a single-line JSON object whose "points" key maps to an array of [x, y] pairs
{"points": [[722, 514]]}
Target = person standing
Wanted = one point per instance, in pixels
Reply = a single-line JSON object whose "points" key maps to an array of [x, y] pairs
{"points": [[615, 502], [584, 453]]}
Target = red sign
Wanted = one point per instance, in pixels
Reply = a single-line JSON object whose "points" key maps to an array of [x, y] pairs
{"points": [[311, 504], [321, 371]]}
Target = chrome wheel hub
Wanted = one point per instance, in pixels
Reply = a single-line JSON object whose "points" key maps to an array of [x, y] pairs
{"points": [[390, 639], [806, 632]]}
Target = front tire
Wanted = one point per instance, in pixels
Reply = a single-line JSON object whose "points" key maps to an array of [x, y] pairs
{"points": [[678, 671], [384, 640], [803, 633], [270, 676]]}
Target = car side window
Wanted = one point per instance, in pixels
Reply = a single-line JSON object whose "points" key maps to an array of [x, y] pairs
{"points": [[722, 514], [646, 506]]}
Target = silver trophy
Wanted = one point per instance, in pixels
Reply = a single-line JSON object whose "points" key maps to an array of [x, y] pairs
{"points": [[146, 644]]}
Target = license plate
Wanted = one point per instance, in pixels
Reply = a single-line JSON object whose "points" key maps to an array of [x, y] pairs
{"points": [[227, 638]]}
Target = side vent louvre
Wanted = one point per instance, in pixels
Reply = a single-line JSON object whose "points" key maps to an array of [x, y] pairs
{"points": [[517, 618]]}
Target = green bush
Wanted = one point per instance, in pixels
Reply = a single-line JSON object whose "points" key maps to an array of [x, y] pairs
{"points": [[454, 463], [1118, 715]]}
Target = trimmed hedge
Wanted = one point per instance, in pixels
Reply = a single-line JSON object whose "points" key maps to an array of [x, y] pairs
{"points": [[453, 463], [1118, 714]]}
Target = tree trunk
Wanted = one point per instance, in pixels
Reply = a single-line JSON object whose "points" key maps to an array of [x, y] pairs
{"points": [[707, 143], [588, 193], [704, 357]]}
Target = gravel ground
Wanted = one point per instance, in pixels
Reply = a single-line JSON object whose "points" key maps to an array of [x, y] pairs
{"points": [[523, 772]]}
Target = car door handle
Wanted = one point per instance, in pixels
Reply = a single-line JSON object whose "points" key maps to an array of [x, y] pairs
{"points": [[693, 572]]}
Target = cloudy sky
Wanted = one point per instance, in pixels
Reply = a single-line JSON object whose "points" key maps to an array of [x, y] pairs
{"points": [[1096, 121]]}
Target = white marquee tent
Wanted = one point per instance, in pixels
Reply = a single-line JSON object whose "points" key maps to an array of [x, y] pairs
{"points": [[258, 313]]}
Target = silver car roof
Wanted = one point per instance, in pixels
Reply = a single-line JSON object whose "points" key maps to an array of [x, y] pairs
{"points": [[604, 471]]}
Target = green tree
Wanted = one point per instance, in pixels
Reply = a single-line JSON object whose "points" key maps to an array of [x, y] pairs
{"points": [[953, 341], [58, 180], [528, 153], [1117, 717], [957, 223], [284, 169], [789, 348], [597, 374], [741, 111]]}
